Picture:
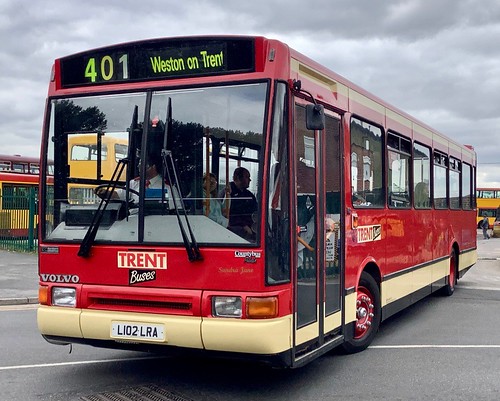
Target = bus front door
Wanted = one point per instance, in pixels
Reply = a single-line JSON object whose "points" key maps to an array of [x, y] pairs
{"points": [[318, 265]]}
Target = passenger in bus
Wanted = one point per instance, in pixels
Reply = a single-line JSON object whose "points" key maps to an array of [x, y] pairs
{"points": [[242, 205], [422, 195], [212, 206], [358, 200]]}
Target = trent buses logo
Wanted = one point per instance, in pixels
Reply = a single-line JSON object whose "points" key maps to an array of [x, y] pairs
{"points": [[369, 233], [142, 260]]}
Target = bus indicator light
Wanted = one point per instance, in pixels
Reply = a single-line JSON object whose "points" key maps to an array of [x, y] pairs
{"points": [[262, 308], [43, 295], [354, 220]]}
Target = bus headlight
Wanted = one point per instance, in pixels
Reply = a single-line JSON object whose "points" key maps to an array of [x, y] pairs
{"points": [[64, 296], [226, 306]]}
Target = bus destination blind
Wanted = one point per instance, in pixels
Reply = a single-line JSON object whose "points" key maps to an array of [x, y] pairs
{"points": [[157, 60]]}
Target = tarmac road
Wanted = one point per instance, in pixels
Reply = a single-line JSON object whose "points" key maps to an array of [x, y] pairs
{"points": [[19, 273]]}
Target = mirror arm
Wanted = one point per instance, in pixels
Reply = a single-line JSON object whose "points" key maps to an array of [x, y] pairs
{"points": [[315, 116]]}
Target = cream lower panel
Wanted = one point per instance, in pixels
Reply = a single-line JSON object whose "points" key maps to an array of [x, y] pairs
{"points": [[307, 333], [401, 286], [422, 277], [58, 321], [266, 336], [396, 288], [332, 322], [440, 270], [467, 259], [181, 331], [350, 307]]}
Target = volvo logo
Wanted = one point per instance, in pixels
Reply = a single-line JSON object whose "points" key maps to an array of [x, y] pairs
{"points": [[60, 278]]}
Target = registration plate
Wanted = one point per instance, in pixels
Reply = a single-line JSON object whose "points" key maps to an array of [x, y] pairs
{"points": [[138, 331]]}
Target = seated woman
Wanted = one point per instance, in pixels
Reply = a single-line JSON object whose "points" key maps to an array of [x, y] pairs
{"points": [[212, 206]]}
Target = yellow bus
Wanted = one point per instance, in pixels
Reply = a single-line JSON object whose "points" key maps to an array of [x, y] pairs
{"points": [[83, 151], [488, 201]]}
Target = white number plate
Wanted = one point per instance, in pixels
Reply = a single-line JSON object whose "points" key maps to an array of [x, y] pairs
{"points": [[138, 331]]}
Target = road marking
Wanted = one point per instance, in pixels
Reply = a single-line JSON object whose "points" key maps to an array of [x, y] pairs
{"points": [[468, 287], [75, 363], [52, 365], [432, 346]]}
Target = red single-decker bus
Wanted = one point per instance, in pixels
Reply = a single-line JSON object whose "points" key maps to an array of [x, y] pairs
{"points": [[272, 210]]}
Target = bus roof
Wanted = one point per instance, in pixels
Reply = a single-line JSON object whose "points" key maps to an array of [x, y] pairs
{"points": [[91, 138], [19, 158]]}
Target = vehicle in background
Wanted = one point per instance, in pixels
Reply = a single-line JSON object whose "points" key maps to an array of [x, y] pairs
{"points": [[18, 198], [19, 164], [496, 224], [487, 202], [91, 157]]}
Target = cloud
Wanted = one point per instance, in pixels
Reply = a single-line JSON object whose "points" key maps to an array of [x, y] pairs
{"points": [[439, 61]]}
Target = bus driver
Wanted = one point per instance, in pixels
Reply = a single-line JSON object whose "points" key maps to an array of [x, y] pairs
{"points": [[153, 181], [243, 205]]}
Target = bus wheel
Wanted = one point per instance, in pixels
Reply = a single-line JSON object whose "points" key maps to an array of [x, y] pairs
{"points": [[449, 288], [368, 314]]}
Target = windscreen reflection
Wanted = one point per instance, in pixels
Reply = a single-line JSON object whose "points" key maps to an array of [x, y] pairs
{"points": [[213, 132]]}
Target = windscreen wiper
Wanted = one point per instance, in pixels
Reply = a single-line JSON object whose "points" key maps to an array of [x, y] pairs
{"points": [[89, 238], [169, 169]]}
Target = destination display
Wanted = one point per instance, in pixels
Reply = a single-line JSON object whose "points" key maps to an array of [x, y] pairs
{"points": [[149, 60]]}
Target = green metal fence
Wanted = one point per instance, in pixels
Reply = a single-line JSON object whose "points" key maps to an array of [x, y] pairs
{"points": [[18, 221]]}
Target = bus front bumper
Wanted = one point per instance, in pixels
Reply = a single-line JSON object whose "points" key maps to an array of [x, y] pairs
{"points": [[124, 329]]}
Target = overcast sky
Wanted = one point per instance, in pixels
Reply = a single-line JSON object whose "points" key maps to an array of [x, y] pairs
{"points": [[438, 60]]}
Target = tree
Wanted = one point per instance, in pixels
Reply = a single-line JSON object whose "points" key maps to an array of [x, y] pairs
{"points": [[75, 118]]}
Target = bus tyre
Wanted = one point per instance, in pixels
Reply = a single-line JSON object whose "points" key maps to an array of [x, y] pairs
{"points": [[449, 288], [368, 315]]}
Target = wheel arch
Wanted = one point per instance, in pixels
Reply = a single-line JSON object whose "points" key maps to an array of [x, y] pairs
{"points": [[368, 285], [370, 267], [455, 248]]}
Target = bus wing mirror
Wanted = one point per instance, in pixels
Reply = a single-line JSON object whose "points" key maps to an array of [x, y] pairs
{"points": [[315, 117]]}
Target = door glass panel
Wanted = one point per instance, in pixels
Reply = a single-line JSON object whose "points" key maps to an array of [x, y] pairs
{"points": [[332, 215], [306, 220], [278, 218]]}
